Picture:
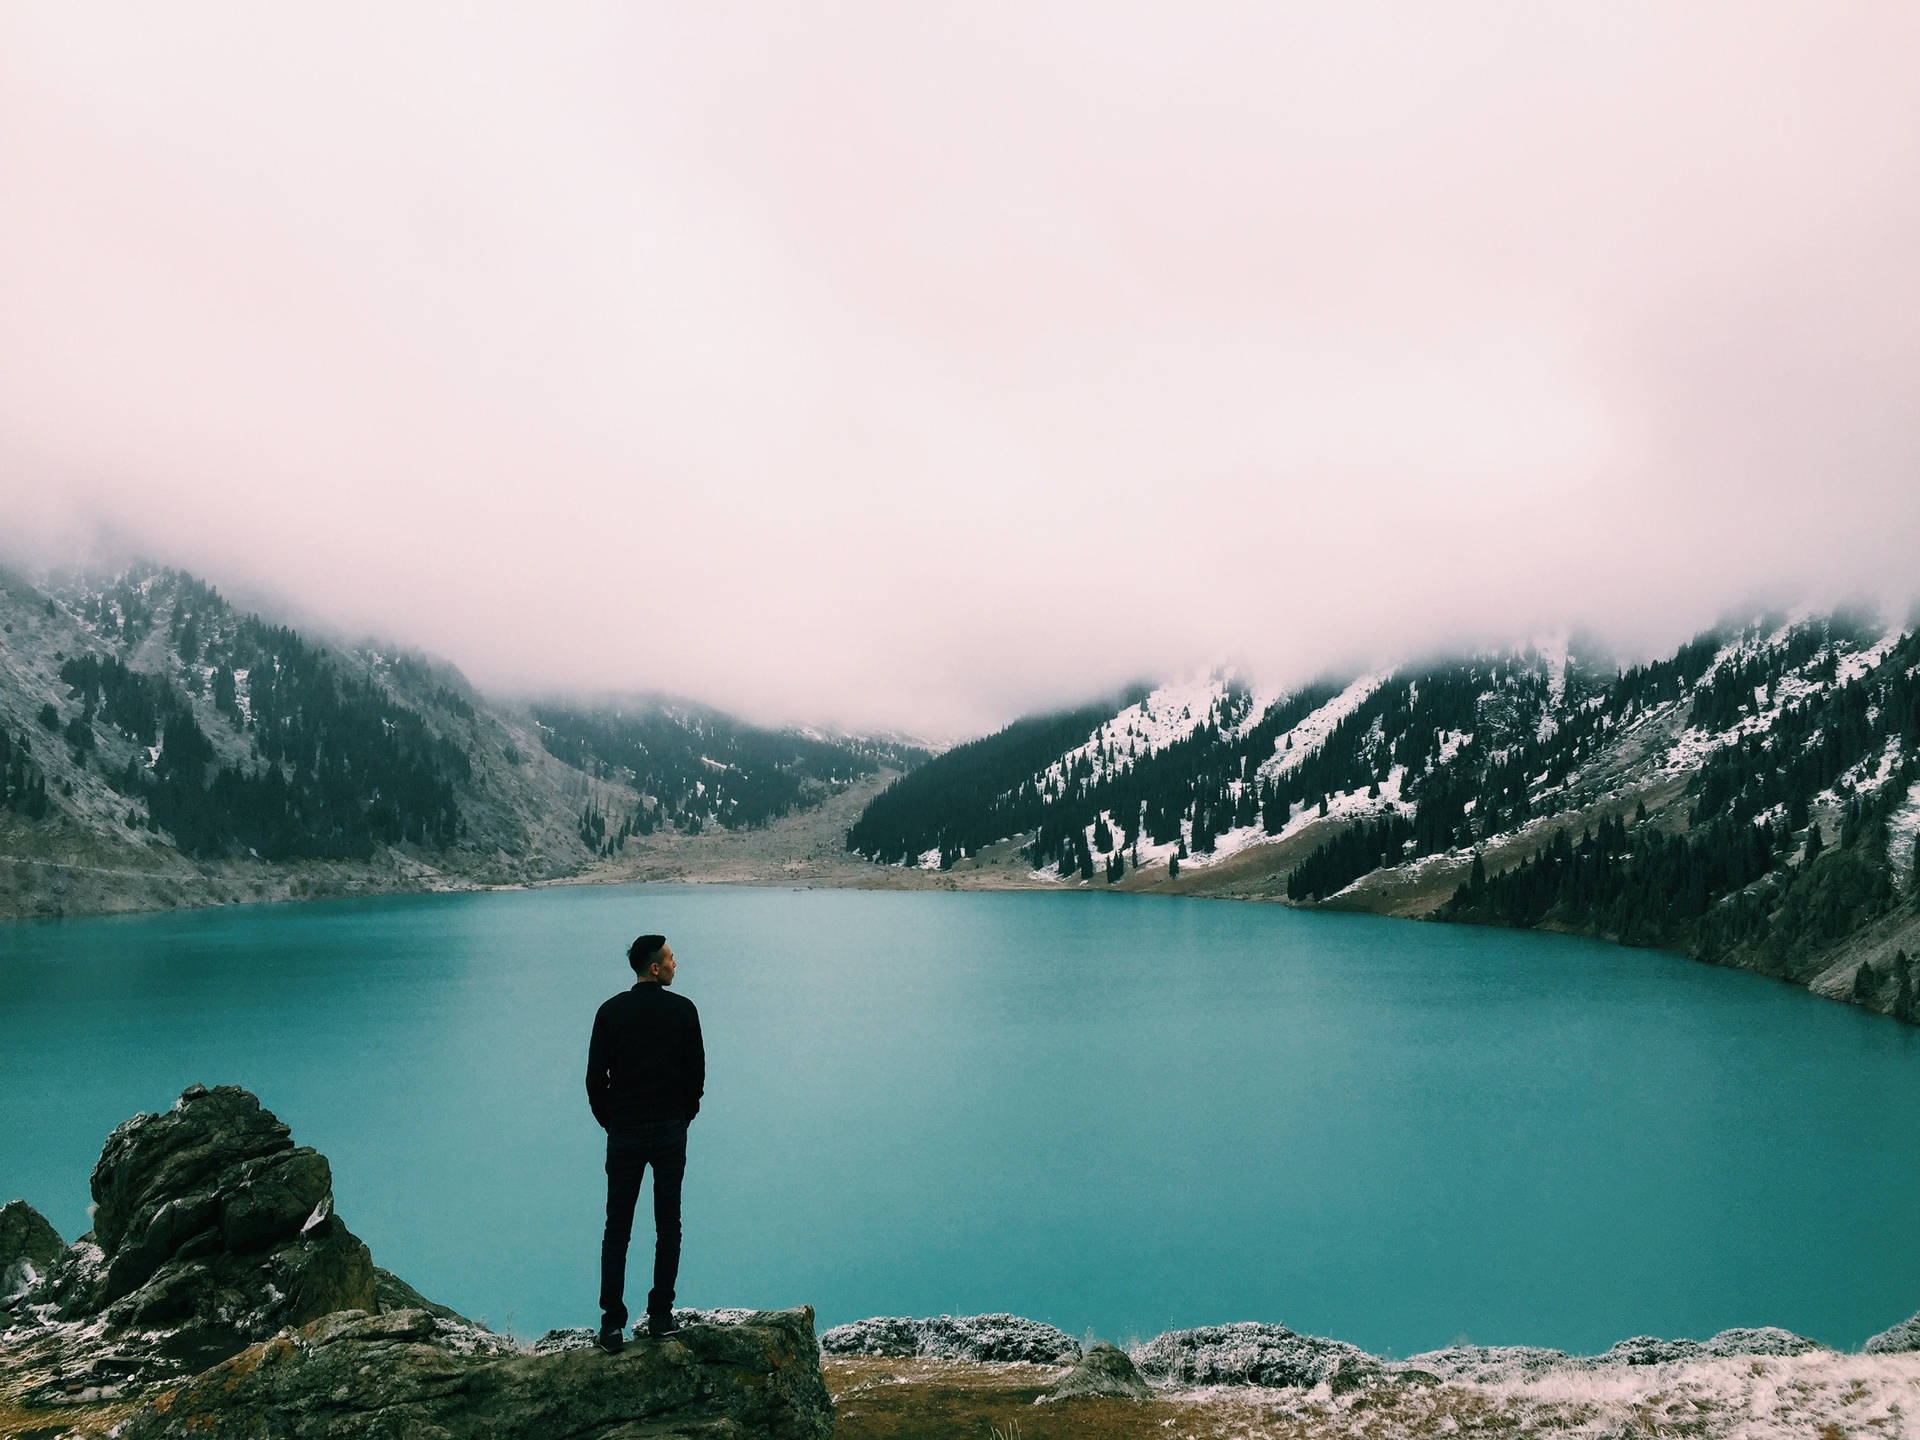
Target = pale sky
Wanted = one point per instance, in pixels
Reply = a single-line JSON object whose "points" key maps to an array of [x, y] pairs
{"points": [[912, 365]]}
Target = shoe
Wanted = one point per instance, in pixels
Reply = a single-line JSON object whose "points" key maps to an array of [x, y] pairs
{"points": [[661, 1326], [610, 1342]]}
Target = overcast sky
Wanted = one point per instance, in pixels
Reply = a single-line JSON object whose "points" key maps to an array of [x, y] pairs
{"points": [[899, 364]]}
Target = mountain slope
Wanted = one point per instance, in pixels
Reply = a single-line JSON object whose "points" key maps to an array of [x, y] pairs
{"points": [[161, 747], [1751, 799]]}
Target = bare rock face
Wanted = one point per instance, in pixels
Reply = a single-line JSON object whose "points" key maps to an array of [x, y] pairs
{"points": [[211, 1229], [209, 1221], [29, 1248], [376, 1376]]}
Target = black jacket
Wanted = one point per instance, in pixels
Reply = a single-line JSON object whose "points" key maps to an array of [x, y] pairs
{"points": [[645, 1062]]}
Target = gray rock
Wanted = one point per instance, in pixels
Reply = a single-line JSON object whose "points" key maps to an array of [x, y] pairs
{"points": [[1901, 1338], [381, 1377], [29, 1246], [1649, 1350], [581, 1337], [211, 1223], [212, 1229], [1489, 1364], [1486, 1364], [954, 1337], [1103, 1370], [1248, 1353], [554, 1342]]}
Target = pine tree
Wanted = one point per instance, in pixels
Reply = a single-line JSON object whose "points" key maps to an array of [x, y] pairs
{"points": [[1173, 867], [1815, 844]]}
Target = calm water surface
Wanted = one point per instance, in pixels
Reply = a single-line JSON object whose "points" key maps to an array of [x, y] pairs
{"points": [[1117, 1114]]}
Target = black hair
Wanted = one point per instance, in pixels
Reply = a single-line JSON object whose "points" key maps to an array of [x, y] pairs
{"points": [[644, 951]]}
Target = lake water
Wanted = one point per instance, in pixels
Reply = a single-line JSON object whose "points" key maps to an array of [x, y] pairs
{"points": [[1119, 1114]]}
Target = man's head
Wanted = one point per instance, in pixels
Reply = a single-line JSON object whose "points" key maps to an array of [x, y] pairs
{"points": [[652, 959]]}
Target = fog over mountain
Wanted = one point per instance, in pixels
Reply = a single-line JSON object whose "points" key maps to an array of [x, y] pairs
{"points": [[919, 366]]}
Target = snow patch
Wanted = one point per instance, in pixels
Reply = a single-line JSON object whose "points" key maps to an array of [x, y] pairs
{"points": [[1311, 733], [1169, 714], [1903, 832]]}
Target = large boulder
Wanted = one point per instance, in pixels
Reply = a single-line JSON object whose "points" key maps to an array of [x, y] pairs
{"points": [[29, 1247], [1103, 1370], [212, 1229], [1249, 1353], [376, 1376], [954, 1337], [209, 1221], [1897, 1340], [1760, 1340]]}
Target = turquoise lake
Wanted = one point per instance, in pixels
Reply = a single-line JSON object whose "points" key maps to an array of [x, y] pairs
{"points": [[1118, 1114]]}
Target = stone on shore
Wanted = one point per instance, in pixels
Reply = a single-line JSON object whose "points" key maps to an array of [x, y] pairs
{"points": [[1650, 1350], [1249, 1353], [211, 1223], [1897, 1340], [383, 1377], [954, 1337], [215, 1241], [29, 1247], [1103, 1370]]}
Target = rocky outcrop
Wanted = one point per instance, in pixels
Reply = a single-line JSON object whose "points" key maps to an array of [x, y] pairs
{"points": [[215, 1245], [1901, 1338], [1650, 1350], [1502, 1363], [954, 1337], [374, 1376], [211, 1223], [1104, 1370], [1247, 1353], [29, 1246]]}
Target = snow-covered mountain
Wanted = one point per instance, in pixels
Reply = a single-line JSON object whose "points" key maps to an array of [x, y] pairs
{"points": [[159, 747], [1753, 798]]}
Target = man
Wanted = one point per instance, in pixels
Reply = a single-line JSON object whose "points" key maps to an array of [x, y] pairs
{"points": [[646, 1071]]}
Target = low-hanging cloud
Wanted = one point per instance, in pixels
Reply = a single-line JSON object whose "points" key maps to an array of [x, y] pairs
{"points": [[916, 365]]}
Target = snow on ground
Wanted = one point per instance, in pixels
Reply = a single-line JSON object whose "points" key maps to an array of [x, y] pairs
{"points": [[1353, 805], [1903, 831], [1692, 747], [1170, 713], [1852, 667], [1823, 1393], [1311, 733], [1552, 650]]}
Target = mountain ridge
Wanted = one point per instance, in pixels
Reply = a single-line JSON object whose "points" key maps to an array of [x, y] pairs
{"points": [[1472, 790], [1752, 799], [163, 748]]}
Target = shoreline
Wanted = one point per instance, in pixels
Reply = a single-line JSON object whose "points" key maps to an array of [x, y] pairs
{"points": [[806, 851]]}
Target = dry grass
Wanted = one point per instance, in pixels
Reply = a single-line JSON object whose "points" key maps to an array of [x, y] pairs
{"points": [[1820, 1395]]}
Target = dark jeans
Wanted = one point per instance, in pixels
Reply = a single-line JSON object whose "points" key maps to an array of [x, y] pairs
{"points": [[663, 1146]]}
